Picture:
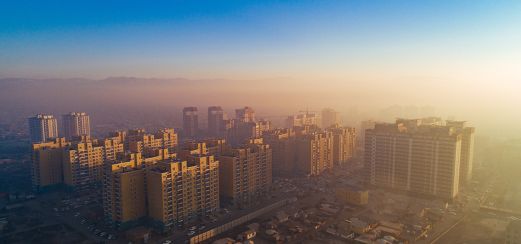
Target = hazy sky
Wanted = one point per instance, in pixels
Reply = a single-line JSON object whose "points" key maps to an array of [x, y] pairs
{"points": [[461, 56]]}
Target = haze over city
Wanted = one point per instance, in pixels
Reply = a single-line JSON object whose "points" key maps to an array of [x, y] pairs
{"points": [[460, 57], [321, 93]]}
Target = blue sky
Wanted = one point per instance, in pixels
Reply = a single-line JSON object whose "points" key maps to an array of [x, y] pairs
{"points": [[254, 39]]}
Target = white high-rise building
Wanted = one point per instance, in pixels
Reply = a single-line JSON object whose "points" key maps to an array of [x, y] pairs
{"points": [[76, 124], [43, 127], [415, 157], [467, 150]]}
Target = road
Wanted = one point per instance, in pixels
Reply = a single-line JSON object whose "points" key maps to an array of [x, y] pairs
{"points": [[443, 233]]}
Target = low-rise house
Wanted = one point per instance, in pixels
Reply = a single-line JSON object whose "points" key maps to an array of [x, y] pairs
{"points": [[246, 235]]}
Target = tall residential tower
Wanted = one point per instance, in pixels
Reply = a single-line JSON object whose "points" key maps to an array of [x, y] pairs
{"points": [[190, 122], [43, 127], [215, 121], [415, 157], [75, 125]]}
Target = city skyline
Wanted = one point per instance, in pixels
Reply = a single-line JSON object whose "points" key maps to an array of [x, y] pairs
{"points": [[358, 121]]}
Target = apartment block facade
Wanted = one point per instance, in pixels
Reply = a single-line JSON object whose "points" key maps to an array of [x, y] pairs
{"points": [[83, 161], [125, 185], [314, 152], [124, 195], [76, 124], [245, 172], [413, 157], [47, 163], [138, 140], [180, 191], [344, 144], [283, 146], [467, 150], [216, 121], [329, 118], [190, 122], [43, 127]]}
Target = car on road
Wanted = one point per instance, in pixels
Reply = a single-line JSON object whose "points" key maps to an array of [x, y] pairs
{"points": [[193, 228], [102, 234], [167, 242], [191, 233], [202, 227], [111, 237]]}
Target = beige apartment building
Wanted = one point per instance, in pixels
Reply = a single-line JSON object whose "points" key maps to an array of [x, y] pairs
{"points": [[83, 160], [242, 132], [124, 185], [180, 191], [47, 163], [304, 119], [467, 150], [329, 118], [413, 157], [314, 152], [43, 127], [344, 144], [138, 140], [246, 114], [283, 145], [76, 124], [245, 172], [124, 195]]}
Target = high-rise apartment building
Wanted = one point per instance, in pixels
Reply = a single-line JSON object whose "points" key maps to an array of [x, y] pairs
{"points": [[304, 119], [216, 121], [190, 122], [167, 138], [242, 132], [43, 127], [47, 161], [246, 114], [124, 195], [283, 146], [216, 146], [414, 157], [344, 144], [180, 191], [75, 125], [330, 117], [364, 126], [124, 185], [83, 161], [314, 152], [138, 140], [467, 150], [77, 164], [245, 173]]}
